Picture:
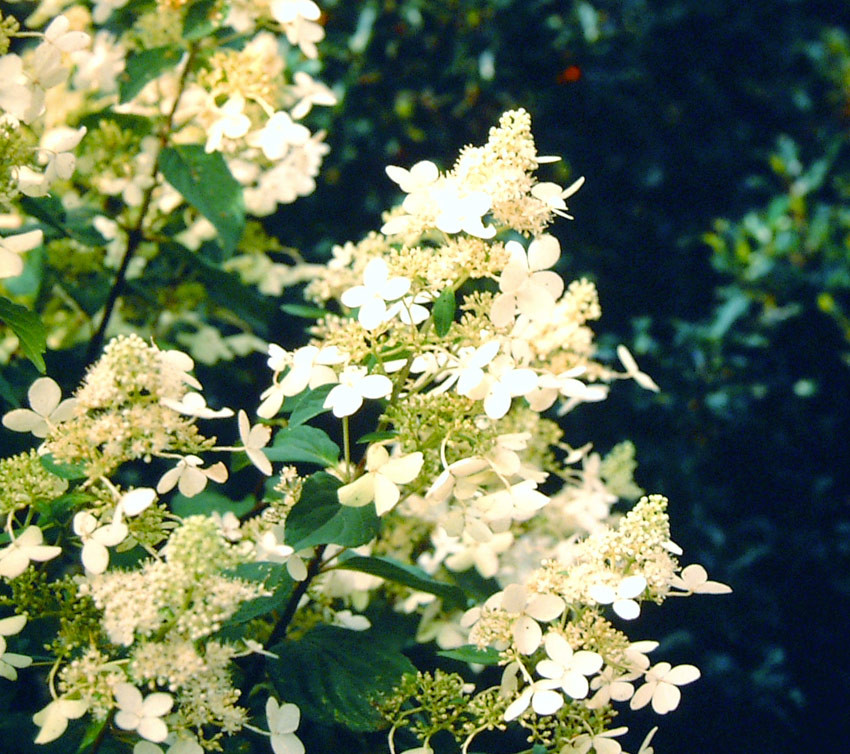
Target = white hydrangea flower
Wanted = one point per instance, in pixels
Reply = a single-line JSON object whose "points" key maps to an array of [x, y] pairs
{"points": [[381, 480], [422, 175], [10, 661], [143, 715], [694, 580], [527, 284], [11, 248], [309, 92], [270, 547], [355, 385], [529, 609], [554, 196], [231, 123], [283, 721], [567, 667], [189, 478], [53, 719], [621, 598], [96, 539], [255, 439], [48, 409], [56, 145], [633, 372], [279, 134], [28, 545], [194, 404], [661, 687], [310, 366], [463, 213], [371, 297], [611, 684]]}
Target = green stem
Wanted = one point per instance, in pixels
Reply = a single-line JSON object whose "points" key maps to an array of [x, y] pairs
{"points": [[346, 441]]}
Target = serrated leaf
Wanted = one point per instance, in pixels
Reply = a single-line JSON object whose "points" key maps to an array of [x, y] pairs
{"points": [[471, 653], [63, 470], [318, 518], [408, 575], [143, 67], [304, 311], [303, 444], [340, 673], [31, 333], [309, 404], [444, 311], [206, 183]]}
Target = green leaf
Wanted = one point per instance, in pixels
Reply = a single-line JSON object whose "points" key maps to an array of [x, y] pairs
{"points": [[444, 311], [303, 444], [310, 404], [207, 184], [208, 502], [29, 329], [145, 66], [378, 437], [334, 675], [409, 575], [318, 518], [75, 224], [63, 470], [302, 310], [199, 21], [471, 653], [93, 732], [274, 576]]}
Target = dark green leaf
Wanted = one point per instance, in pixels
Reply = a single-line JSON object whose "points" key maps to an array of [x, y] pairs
{"points": [[303, 444], [145, 66], [377, 437], [275, 577], [75, 224], [207, 184], [63, 470], [28, 327], [444, 311], [471, 653], [318, 518], [93, 732], [210, 501], [409, 575], [335, 675], [302, 310], [199, 21], [309, 404]]}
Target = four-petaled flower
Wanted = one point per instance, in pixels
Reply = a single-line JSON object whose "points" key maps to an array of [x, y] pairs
{"points": [[96, 539], [143, 715], [527, 284], [371, 297], [283, 722], [661, 687], [48, 409], [255, 439], [381, 480], [355, 384], [189, 477], [568, 668], [529, 609], [622, 597], [694, 580], [28, 545], [10, 661]]}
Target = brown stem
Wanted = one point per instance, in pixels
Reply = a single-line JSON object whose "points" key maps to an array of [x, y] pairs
{"points": [[279, 631]]}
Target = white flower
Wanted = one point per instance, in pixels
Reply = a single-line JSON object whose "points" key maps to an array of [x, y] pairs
{"points": [[553, 195], [48, 409], [529, 608], [310, 367], [270, 547], [371, 297], [503, 382], [189, 477], [10, 661], [28, 545], [611, 684], [277, 136], [600, 742], [694, 580], [355, 384], [96, 539], [194, 404], [132, 503], [645, 748], [458, 213], [309, 92], [53, 719], [622, 597], [255, 439], [11, 248], [232, 123], [381, 480], [661, 687], [567, 667], [142, 715], [527, 284], [57, 144], [283, 722], [60, 34], [419, 177], [633, 372]]}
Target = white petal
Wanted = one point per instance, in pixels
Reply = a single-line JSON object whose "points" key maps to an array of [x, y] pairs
{"points": [[682, 674], [358, 493], [386, 494], [375, 386], [137, 500], [575, 685], [545, 607], [44, 395], [95, 556], [546, 702], [586, 663], [24, 420], [152, 728], [527, 634], [627, 609], [631, 586], [518, 706], [13, 625], [158, 704], [642, 696], [666, 698], [404, 469]]}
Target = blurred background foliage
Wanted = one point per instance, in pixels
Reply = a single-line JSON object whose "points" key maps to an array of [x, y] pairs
{"points": [[715, 221]]}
